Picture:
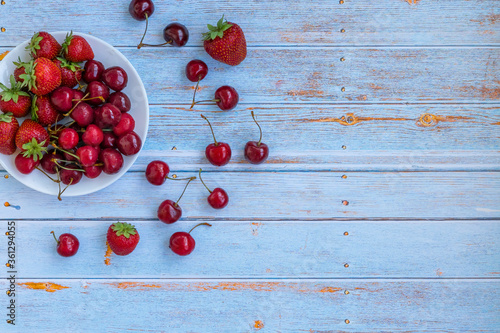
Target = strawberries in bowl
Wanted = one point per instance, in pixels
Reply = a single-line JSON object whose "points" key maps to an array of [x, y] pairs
{"points": [[48, 113]]}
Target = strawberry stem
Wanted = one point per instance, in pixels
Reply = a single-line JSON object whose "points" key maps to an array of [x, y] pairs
{"points": [[216, 143], [204, 182], [196, 226], [185, 188], [53, 234], [260, 129]]}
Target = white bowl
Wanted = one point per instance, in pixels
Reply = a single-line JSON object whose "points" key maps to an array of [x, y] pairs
{"points": [[109, 56]]}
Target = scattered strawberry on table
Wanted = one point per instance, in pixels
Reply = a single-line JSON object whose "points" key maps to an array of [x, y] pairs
{"points": [[122, 238], [225, 42]]}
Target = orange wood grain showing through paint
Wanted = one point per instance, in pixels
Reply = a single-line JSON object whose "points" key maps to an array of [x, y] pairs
{"points": [[258, 325], [412, 2], [134, 285], [3, 55], [107, 255], [47, 286]]}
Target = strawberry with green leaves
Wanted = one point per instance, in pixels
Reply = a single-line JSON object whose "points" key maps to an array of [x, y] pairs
{"points": [[43, 45], [225, 42], [8, 130], [32, 139], [42, 76], [43, 111], [122, 238], [14, 100], [71, 72], [20, 72], [77, 49]]}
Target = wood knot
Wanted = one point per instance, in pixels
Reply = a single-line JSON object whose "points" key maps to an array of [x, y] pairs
{"points": [[349, 119], [427, 120]]}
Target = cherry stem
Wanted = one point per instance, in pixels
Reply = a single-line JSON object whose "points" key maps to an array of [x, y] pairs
{"points": [[167, 177], [69, 169], [64, 151], [141, 44], [59, 183], [195, 90], [260, 129], [185, 188], [156, 45], [216, 143], [53, 234], [70, 182], [196, 226], [55, 181], [208, 100], [204, 182], [83, 100]]}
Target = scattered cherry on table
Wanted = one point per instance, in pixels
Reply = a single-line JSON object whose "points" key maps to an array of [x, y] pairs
{"points": [[182, 243], [256, 152], [218, 198], [169, 211], [217, 153], [67, 244], [226, 98]]}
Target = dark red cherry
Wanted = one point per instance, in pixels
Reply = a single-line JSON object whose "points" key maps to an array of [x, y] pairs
{"points": [[67, 244], [120, 100], [109, 140], [126, 125], [71, 176], [93, 71], [256, 152], [217, 153], [107, 116], [170, 211], [96, 91], [115, 77], [112, 160], [218, 198], [93, 171], [141, 9], [83, 114], [176, 34], [62, 99], [48, 162], [77, 96], [157, 172], [93, 135], [129, 143], [25, 165], [226, 98], [182, 243], [196, 70]]}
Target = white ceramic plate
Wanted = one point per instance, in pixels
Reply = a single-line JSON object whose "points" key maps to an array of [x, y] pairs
{"points": [[109, 56]]}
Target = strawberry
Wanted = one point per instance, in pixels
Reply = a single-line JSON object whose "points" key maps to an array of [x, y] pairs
{"points": [[77, 49], [14, 100], [21, 69], [225, 42], [122, 238], [43, 45], [43, 111], [8, 130], [32, 139], [71, 72], [42, 76]]}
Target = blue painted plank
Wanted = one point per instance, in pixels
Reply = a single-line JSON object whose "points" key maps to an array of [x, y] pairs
{"points": [[256, 305], [280, 195], [301, 249], [317, 75], [271, 22]]}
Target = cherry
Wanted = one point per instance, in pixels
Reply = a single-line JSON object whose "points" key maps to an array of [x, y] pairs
{"points": [[93, 71], [112, 160], [226, 98], [68, 138], [141, 9], [77, 96], [70, 155], [217, 153], [196, 70], [62, 99], [93, 135], [88, 155], [175, 34], [83, 114], [48, 162], [93, 171], [129, 143], [256, 152], [67, 244], [109, 140], [218, 198], [120, 100], [25, 165], [157, 172], [126, 125], [97, 89], [169, 211], [182, 243], [71, 175], [107, 116], [115, 77]]}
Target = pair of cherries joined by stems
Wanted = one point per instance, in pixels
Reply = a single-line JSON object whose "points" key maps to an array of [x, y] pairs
{"points": [[175, 34]]}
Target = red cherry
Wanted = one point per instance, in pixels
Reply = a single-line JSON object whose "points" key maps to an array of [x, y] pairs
{"points": [[77, 96], [157, 172], [141, 9], [115, 77], [67, 244], [93, 71], [175, 34], [169, 211], [217, 153], [112, 160], [107, 116], [70, 175], [68, 138], [121, 101], [226, 98], [93, 135], [62, 99], [126, 125], [196, 70], [25, 165], [182, 243], [129, 143], [48, 163], [97, 92], [93, 171], [88, 155], [109, 140], [256, 152], [218, 198], [83, 114]]}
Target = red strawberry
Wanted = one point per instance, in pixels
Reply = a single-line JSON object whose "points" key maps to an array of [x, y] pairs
{"points": [[71, 72], [14, 99], [32, 139], [77, 49], [43, 45], [226, 42], [21, 69], [8, 129], [43, 77], [43, 112], [122, 238]]}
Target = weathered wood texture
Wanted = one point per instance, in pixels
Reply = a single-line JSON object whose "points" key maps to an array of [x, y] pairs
{"points": [[271, 22], [268, 249], [270, 306], [278, 195]]}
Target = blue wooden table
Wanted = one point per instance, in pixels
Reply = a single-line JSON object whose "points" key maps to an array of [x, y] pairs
{"points": [[377, 211]]}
